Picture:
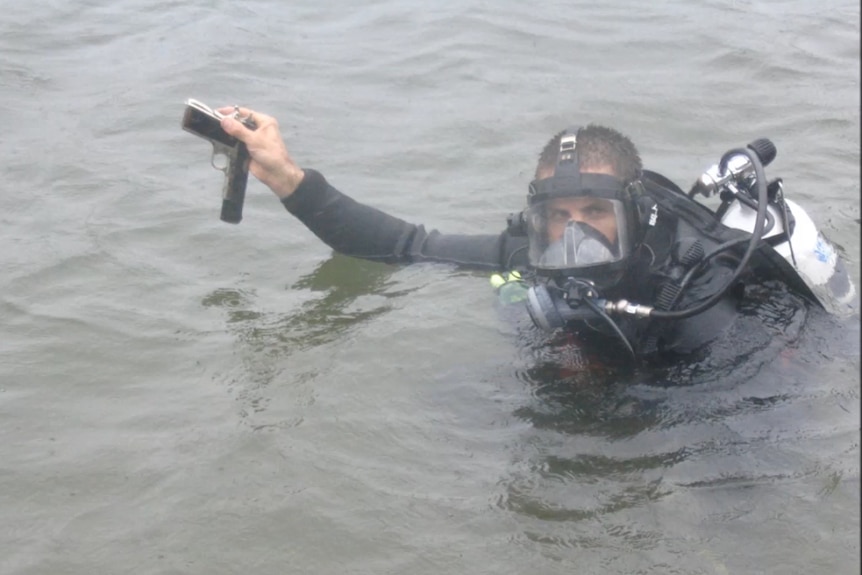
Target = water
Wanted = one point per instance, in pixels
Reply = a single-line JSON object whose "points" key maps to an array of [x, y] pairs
{"points": [[179, 395]]}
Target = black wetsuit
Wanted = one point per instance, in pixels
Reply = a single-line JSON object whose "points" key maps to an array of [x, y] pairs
{"points": [[355, 229], [361, 231]]}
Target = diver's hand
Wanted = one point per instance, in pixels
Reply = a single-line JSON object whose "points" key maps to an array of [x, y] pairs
{"points": [[270, 161]]}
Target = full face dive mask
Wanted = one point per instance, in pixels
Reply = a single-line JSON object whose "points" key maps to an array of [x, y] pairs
{"points": [[581, 225]]}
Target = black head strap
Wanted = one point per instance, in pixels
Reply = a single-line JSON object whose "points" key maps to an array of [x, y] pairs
{"points": [[568, 159], [567, 171]]}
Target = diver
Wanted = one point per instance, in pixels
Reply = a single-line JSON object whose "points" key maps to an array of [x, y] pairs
{"points": [[604, 248]]}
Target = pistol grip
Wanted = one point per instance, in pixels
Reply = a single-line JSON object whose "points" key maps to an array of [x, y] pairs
{"points": [[236, 179]]}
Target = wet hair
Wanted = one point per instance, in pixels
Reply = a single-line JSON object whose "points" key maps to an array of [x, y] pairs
{"points": [[597, 146]]}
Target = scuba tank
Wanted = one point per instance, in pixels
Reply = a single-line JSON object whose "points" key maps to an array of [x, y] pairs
{"points": [[788, 229]]}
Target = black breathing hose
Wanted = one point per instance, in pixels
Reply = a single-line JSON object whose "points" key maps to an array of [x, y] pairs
{"points": [[686, 279], [617, 331], [756, 234]]}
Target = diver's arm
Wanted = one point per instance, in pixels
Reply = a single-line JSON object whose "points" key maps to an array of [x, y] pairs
{"points": [[355, 229]]}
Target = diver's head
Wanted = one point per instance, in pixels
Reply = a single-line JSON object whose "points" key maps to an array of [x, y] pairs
{"points": [[583, 218]]}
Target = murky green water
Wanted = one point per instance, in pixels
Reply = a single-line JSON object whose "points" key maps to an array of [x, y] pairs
{"points": [[179, 395]]}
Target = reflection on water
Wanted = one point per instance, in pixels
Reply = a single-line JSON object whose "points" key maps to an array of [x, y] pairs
{"points": [[340, 279], [347, 293]]}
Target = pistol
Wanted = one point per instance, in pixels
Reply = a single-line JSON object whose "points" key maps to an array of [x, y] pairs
{"points": [[202, 121]]}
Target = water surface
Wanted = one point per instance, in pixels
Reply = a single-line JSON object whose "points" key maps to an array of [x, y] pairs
{"points": [[179, 395]]}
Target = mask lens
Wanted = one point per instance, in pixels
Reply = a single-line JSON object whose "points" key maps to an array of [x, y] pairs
{"points": [[580, 245], [572, 233]]}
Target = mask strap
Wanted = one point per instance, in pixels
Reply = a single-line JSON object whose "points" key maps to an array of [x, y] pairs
{"points": [[569, 160]]}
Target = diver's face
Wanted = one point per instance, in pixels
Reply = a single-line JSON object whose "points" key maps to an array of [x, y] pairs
{"points": [[596, 212]]}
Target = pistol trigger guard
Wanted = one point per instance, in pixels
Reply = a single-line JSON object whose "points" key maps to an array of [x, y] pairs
{"points": [[214, 164]]}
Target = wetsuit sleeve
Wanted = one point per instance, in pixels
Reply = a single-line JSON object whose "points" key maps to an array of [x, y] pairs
{"points": [[355, 229]]}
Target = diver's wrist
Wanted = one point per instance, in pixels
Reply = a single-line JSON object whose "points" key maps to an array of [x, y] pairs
{"points": [[291, 178]]}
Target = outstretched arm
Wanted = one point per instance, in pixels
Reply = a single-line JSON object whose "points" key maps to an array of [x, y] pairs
{"points": [[350, 227]]}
